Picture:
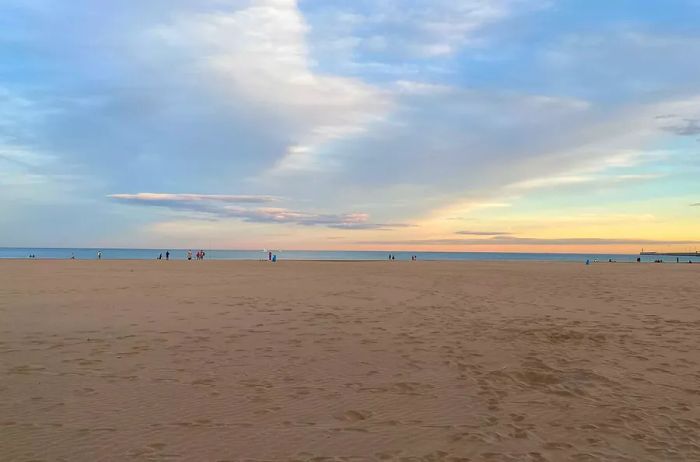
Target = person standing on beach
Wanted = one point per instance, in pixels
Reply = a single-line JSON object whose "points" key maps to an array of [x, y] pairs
{"points": [[167, 254], [99, 255], [189, 255]]}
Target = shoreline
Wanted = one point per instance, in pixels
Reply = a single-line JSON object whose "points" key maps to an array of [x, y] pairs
{"points": [[281, 260], [175, 249]]}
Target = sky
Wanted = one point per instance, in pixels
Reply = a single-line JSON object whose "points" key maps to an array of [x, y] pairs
{"points": [[441, 125]]}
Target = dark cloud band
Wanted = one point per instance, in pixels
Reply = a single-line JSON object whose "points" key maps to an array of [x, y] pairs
{"points": [[506, 240], [226, 207]]}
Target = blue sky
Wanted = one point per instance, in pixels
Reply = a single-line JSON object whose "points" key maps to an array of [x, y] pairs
{"points": [[367, 124]]}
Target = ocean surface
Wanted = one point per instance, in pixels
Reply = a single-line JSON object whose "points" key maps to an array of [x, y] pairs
{"points": [[181, 254]]}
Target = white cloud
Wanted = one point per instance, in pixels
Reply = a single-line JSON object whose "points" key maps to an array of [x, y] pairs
{"points": [[259, 56], [422, 88], [569, 180], [552, 181]]}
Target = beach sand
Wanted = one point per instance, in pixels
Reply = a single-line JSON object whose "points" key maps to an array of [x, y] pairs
{"points": [[424, 361]]}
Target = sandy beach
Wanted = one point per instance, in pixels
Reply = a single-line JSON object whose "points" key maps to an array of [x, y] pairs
{"points": [[321, 361]]}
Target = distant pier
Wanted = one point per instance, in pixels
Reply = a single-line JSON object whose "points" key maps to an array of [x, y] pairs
{"points": [[672, 254]]}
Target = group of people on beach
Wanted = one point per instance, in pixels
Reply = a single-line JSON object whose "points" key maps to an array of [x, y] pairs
{"points": [[199, 255], [639, 260], [392, 257]]}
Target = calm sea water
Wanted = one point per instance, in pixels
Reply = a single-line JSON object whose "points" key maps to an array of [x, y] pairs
{"points": [[180, 254]]}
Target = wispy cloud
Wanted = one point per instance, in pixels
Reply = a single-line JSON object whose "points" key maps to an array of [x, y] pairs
{"points": [[416, 28], [421, 88], [681, 126], [349, 221], [582, 179], [220, 206], [553, 181], [508, 241], [483, 233], [165, 198]]}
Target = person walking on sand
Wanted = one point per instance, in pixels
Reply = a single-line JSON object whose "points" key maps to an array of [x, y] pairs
{"points": [[167, 254], [189, 255], [99, 255]]}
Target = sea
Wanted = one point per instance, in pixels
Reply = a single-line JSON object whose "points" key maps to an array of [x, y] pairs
{"points": [[327, 255]]}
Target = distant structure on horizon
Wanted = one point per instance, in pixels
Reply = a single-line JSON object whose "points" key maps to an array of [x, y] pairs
{"points": [[672, 254]]}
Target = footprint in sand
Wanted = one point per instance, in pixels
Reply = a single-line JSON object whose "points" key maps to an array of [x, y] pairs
{"points": [[26, 369], [207, 382], [353, 416]]}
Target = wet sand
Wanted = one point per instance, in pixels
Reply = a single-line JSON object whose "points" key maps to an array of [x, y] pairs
{"points": [[402, 361]]}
